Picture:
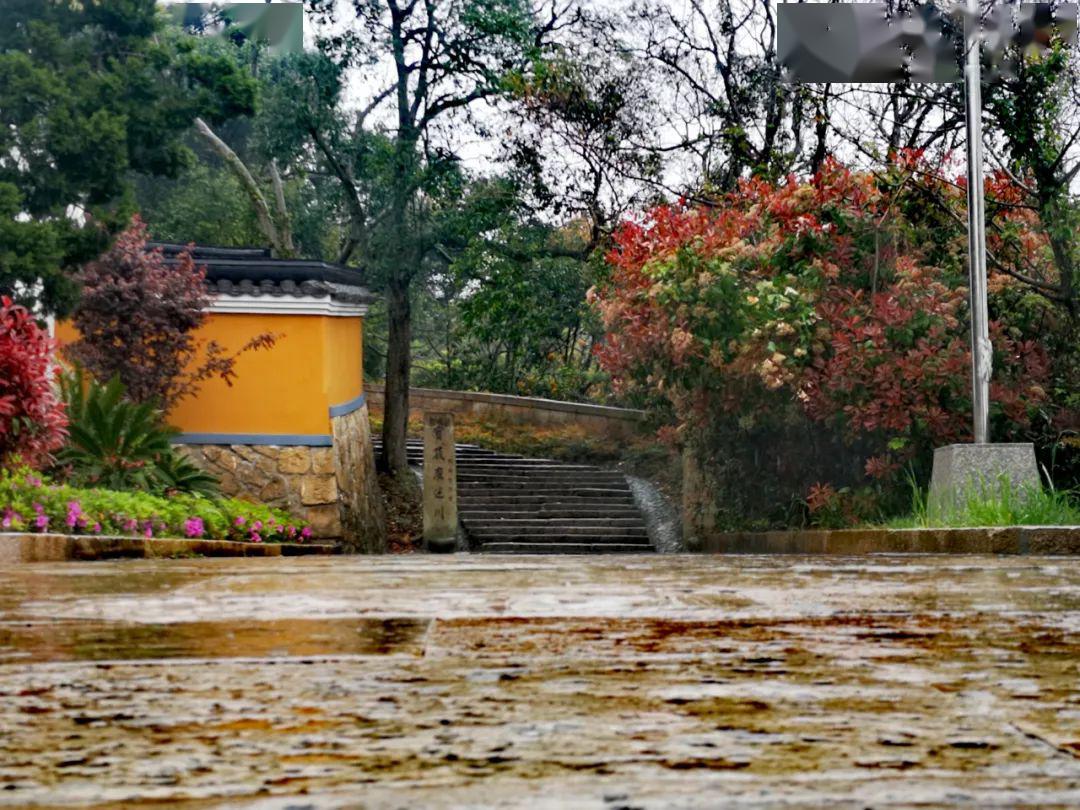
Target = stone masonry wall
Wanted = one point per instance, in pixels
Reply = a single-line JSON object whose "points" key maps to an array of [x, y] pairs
{"points": [[301, 480], [333, 488], [363, 519], [602, 420]]}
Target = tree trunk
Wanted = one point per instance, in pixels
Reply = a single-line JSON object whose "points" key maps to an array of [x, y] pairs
{"points": [[281, 215], [404, 253], [247, 181], [398, 361]]}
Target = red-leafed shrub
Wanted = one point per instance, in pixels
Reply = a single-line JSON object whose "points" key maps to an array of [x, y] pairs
{"points": [[137, 320], [32, 420], [815, 333]]}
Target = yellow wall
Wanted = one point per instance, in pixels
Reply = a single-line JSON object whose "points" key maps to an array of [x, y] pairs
{"points": [[316, 363], [343, 359]]}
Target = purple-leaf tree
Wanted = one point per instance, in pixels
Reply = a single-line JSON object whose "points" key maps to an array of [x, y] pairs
{"points": [[137, 319]]}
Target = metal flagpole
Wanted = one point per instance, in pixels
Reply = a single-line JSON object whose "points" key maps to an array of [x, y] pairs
{"points": [[981, 352]]}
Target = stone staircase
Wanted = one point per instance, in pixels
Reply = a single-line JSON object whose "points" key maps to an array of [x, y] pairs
{"points": [[509, 504]]}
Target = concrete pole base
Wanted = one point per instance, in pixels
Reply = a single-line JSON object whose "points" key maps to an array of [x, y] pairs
{"points": [[964, 470]]}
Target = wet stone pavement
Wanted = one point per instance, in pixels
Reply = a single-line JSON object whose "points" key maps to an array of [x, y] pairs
{"points": [[479, 681]]}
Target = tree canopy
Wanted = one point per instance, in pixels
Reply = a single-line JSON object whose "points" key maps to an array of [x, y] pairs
{"points": [[90, 92]]}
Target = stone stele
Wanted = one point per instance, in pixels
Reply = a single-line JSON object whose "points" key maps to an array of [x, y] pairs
{"points": [[960, 469], [440, 483]]}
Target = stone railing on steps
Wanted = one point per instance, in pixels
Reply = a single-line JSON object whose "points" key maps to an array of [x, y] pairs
{"points": [[602, 419]]}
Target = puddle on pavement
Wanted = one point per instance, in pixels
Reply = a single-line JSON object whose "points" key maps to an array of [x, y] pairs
{"points": [[33, 642]]}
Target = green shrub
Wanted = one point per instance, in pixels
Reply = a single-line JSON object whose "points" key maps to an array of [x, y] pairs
{"points": [[118, 444], [179, 474], [31, 503]]}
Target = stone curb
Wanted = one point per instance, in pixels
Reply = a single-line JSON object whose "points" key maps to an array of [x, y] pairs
{"points": [[1006, 540], [29, 548]]}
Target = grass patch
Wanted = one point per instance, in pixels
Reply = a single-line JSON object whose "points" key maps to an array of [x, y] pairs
{"points": [[992, 505]]}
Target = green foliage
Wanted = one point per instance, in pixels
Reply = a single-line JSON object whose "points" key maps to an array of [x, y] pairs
{"points": [[1034, 111], [504, 310], [526, 320], [177, 473], [997, 504], [430, 64], [799, 337], [204, 204], [31, 503], [88, 93], [117, 444]]}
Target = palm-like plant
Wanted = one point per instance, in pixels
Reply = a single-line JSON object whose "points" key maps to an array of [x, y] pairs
{"points": [[115, 443], [178, 474]]}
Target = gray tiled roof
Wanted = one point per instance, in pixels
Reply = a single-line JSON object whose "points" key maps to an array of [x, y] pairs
{"points": [[253, 271]]}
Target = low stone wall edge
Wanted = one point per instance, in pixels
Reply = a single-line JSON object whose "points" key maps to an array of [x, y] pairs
{"points": [[376, 393], [1014, 540], [29, 547]]}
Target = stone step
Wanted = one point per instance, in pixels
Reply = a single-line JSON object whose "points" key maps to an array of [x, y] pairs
{"points": [[418, 444], [575, 479], [528, 465], [490, 502], [609, 511], [604, 522], [506, 471], [541, 487], [516, 505], [558, 534], [511, 547], [417, 459], [540, 494], [562, 534], [418, 449]]}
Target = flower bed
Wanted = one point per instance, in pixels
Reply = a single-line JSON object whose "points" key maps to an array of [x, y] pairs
{"points": [[30, 503]]}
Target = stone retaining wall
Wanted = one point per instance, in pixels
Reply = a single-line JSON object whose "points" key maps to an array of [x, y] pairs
{"points": [[602, 419], [333, 488], [300, 480], [363, 520]]}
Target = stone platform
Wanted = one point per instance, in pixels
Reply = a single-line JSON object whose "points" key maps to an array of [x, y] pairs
{"points": [[542, 682], [21, 548]]}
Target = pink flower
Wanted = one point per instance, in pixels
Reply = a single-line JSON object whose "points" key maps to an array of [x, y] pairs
{"points": [[256, 537], [41, 521], [74, 514], [148, 529], [131, 524], [10, 516], [193, 527], [240, 521], [305, 533], [257, 525], [97, 528]]}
